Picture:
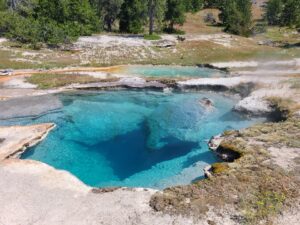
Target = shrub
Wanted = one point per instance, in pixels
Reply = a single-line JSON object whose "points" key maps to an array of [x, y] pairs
{"points": [[50, 22], [237, 17], [274, 11]]}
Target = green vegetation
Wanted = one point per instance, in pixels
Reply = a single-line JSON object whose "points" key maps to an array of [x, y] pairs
{"points": [[3, 5], [156, 12], [283, 12], [175, 13], [279, 43], [194, 5], [61, 21], [133, 16], [274, 11], [50, 22], [152, 37], [108, 11], [48, 80], [291, 13], [284, 35], [213, 3], [237, 16]]}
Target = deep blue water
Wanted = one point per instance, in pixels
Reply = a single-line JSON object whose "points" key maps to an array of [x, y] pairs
{"points": [[172, 71], [134, 138]]}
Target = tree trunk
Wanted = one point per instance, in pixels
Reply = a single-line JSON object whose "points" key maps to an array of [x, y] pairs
{"points": [[171, 26], [109, 26], [13, 4], [109, 23], [151, 16]]}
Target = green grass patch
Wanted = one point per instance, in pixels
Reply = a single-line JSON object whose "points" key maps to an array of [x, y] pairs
{"points": [[47, 80], [152, 37], [282, 34]]}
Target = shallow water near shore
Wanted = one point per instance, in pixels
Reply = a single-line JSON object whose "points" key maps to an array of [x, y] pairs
{"points": [[134, 138]]}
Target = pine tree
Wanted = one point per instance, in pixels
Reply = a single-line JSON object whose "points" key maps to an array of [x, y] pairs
{"points": [[291, 13], [133, 16], [108, 10], [214, 3], [51, 22], [237, 17], [175, 13], [193, 5], [274, 12]]}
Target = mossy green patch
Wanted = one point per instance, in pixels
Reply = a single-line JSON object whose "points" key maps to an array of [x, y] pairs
{"points": [[152, 37], [49, 80]]}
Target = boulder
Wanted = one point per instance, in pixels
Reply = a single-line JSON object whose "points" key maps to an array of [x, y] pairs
{"points": [[254, 106]]}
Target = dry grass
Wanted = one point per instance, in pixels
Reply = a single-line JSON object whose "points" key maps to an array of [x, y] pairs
{"points": [[195, 23], [46, 59], [6, 62], [196, 52], [219, 168], [190, 53]]}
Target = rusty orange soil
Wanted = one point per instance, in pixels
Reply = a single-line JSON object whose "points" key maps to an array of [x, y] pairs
{"points": [[4, 79]]}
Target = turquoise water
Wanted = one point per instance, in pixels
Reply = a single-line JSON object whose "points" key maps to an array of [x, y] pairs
{"points": [[134, 138], [172, 71]]}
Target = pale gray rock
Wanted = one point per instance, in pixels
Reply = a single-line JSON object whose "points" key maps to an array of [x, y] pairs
{"points": [[255, 106]]}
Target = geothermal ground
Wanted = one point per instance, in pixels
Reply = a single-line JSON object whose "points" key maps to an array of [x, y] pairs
{"points": [[62, 198], [258, 179]]}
